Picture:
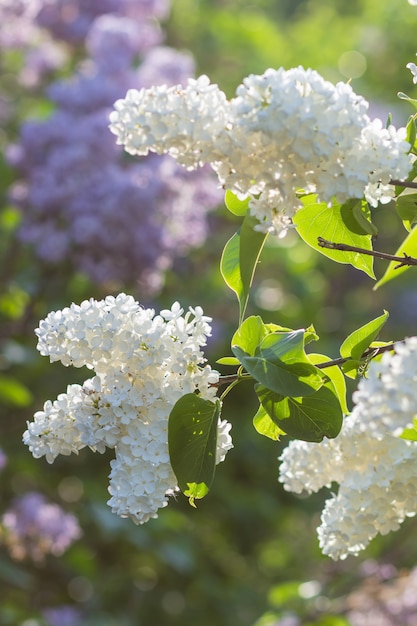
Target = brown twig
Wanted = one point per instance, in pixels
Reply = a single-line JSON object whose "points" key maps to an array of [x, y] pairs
{"points": [[403, 183], [344, 247]]}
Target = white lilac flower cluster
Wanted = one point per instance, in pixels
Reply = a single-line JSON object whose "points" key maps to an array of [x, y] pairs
{"points": [[375, 468], [143, 364], [285, 131]]}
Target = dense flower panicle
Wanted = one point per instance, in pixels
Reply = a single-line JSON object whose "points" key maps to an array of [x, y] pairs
{"points": [[33, 528], [173, 120], [81, 200], [283, 132], [375, 468], [143, 364]]}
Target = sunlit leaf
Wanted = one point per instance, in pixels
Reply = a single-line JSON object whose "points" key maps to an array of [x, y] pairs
{"points": [[250, 334], [338, 225], [359, 340], [351, 368], [336, 376], [277, 360], [310, 418], [411, 132], [228, 360], [236, 206], [403, 96], [239, 259], [408, 247], [410, 434], [264, 425]]}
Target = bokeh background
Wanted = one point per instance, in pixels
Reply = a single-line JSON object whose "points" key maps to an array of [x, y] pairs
{"points": [[80, 219]]}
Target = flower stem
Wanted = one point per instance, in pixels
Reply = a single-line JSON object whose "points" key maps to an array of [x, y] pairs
{"points": [[403, 183]]}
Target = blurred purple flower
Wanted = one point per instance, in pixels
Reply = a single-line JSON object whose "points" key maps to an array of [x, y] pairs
{"points": [[115, 218], [70, 20], [3, 459], [19, 30], [33, 527], [63, 616], [384, 603]]}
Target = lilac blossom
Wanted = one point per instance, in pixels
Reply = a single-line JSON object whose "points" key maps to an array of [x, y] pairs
{"points": [[115, 218], [3, 459], [65, 615], [33, 527], [70, 20], [19, 30], [383, 602]]}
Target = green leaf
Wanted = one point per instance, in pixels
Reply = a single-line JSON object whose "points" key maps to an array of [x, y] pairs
{"points": [[250, 334], [336, 376], [251, 244], [195, 491], [230, 266], [228, 360], [412, 174], [411, 132], [192, 440], [403, 96], [277, 360], [309, 333], [362, 215], [264, 425], [408, 247], [338, 225], [407, 209], [357, 342], [236, 206], [409, 433], [239, 259], [13, 393], [351, 368], [309, 418]]}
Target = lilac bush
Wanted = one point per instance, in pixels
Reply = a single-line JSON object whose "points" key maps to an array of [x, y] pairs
{"points": [[34, 527], [82, 199]]}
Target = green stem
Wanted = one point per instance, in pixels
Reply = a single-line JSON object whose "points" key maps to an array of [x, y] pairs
{"points": [[233, 379], [230, 387]]}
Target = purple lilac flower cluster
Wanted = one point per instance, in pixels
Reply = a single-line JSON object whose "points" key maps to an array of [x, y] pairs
{"points": [[82, 198], [63, 616], [33, 527], [385, 598], [3, 459]]}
